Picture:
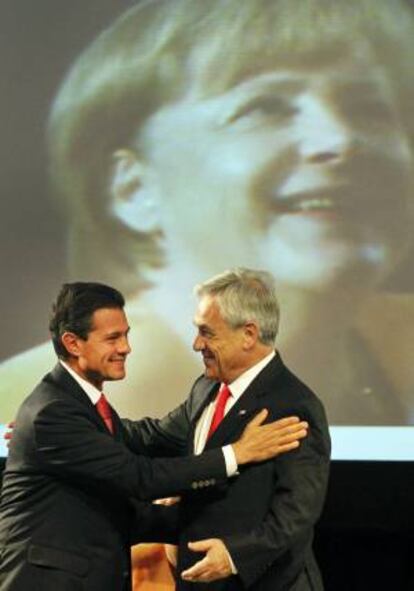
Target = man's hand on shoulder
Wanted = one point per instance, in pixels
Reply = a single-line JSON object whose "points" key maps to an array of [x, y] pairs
{"points": [[8, 434], [261, 442]]}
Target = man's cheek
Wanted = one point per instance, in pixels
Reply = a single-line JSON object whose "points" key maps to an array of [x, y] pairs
{"points": [[215, 355]]}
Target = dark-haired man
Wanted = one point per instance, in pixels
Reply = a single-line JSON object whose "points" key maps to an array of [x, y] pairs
{"points": [[67, 521]]}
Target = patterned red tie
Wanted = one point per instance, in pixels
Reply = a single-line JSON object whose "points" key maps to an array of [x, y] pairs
{"points": [[222, 398], [103, 408]]}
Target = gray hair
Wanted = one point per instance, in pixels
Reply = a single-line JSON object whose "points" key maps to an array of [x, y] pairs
{"points": [[245, 295]]}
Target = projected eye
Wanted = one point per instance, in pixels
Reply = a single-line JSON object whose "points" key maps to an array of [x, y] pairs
{"points": [[372, 114], [263, 109]]}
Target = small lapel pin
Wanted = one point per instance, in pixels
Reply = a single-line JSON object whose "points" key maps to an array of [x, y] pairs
{"points": [[242, 412]]}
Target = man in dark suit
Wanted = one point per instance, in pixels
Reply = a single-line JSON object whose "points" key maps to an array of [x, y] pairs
{"points": [[68, 514], [256, 531]]}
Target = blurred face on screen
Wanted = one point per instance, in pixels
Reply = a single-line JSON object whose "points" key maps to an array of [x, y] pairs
{"points": [[304, 172]]}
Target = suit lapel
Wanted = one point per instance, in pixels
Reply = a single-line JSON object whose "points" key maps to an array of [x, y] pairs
{"points": [[71, 388], [204, 391], [117, 424], [248, 405]]}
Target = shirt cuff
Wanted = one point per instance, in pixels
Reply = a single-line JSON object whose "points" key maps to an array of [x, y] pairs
{"points": [[234, 570], [230, 459]]}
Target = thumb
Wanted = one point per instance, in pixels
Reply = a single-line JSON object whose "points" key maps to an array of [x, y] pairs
{"points": [[200, 546]]}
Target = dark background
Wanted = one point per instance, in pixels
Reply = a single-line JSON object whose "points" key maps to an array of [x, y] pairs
{"points": [[39, 39], [365, 538]]}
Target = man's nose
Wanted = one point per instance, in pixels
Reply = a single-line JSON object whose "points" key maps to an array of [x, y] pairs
{"points": [[324, 136], [124, 346], [198, 343]]}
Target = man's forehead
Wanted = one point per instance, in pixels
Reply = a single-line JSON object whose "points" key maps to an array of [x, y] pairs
{"points": [[207, 309], [108, 319]]}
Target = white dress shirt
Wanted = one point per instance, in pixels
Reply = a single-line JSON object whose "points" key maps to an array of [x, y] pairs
{"points": [[93, 393], [237, 389]]}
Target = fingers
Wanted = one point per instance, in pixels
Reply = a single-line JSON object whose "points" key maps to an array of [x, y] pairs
{"points": [[215, 564], [290, 435], [199, 571], [200, 546], [167, 502], [297, 431], [259, 418], [8, 434], [289, 426], [288, 446], [286, 421], [282, 439], [171, 553], [290, 430]]}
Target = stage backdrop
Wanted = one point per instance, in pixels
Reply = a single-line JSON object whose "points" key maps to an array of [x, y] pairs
{"points": [[193, 136]]}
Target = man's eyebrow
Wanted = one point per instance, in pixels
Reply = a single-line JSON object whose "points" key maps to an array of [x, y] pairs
{"points": [[204, 328], [117, 333], [201, 325]]}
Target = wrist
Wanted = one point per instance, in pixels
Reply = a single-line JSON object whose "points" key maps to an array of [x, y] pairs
{"points": [[239, 453]]}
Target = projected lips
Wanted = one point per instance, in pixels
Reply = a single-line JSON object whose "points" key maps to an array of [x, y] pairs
{"points": [[309, 203], [350, 204]]}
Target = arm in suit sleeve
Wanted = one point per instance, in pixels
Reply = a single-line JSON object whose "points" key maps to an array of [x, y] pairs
{"points": [[301, 479], [68, 445], [159, 437], [168, 436]]}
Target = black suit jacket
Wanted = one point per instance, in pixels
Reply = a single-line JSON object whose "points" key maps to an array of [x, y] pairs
{"points": [[266, 514], [66, 516]]}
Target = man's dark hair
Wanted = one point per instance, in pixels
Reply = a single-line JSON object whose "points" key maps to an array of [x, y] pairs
{"points": [[74, 307]]}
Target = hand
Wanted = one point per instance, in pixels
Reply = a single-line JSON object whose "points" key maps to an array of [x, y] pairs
{"points": [[167, 502], [171, 553], [215, 564], [261, 442], [9, 434]]}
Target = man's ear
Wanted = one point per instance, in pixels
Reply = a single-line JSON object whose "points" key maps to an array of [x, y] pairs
{"points": [[251, 335], [133, 198], [71, 343]]}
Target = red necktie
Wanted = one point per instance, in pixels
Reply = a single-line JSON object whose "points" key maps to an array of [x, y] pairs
{"points": [[103, 408], [222, 398]]}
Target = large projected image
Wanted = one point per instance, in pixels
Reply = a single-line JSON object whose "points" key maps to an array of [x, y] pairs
{"points": [[192, 136]]}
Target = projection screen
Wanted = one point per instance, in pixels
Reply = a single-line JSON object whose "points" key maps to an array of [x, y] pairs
{"points": [[151, 145]]}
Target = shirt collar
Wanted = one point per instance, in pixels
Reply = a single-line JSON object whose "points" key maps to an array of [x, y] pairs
{"points": [[240, 384], [93, 393]]}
